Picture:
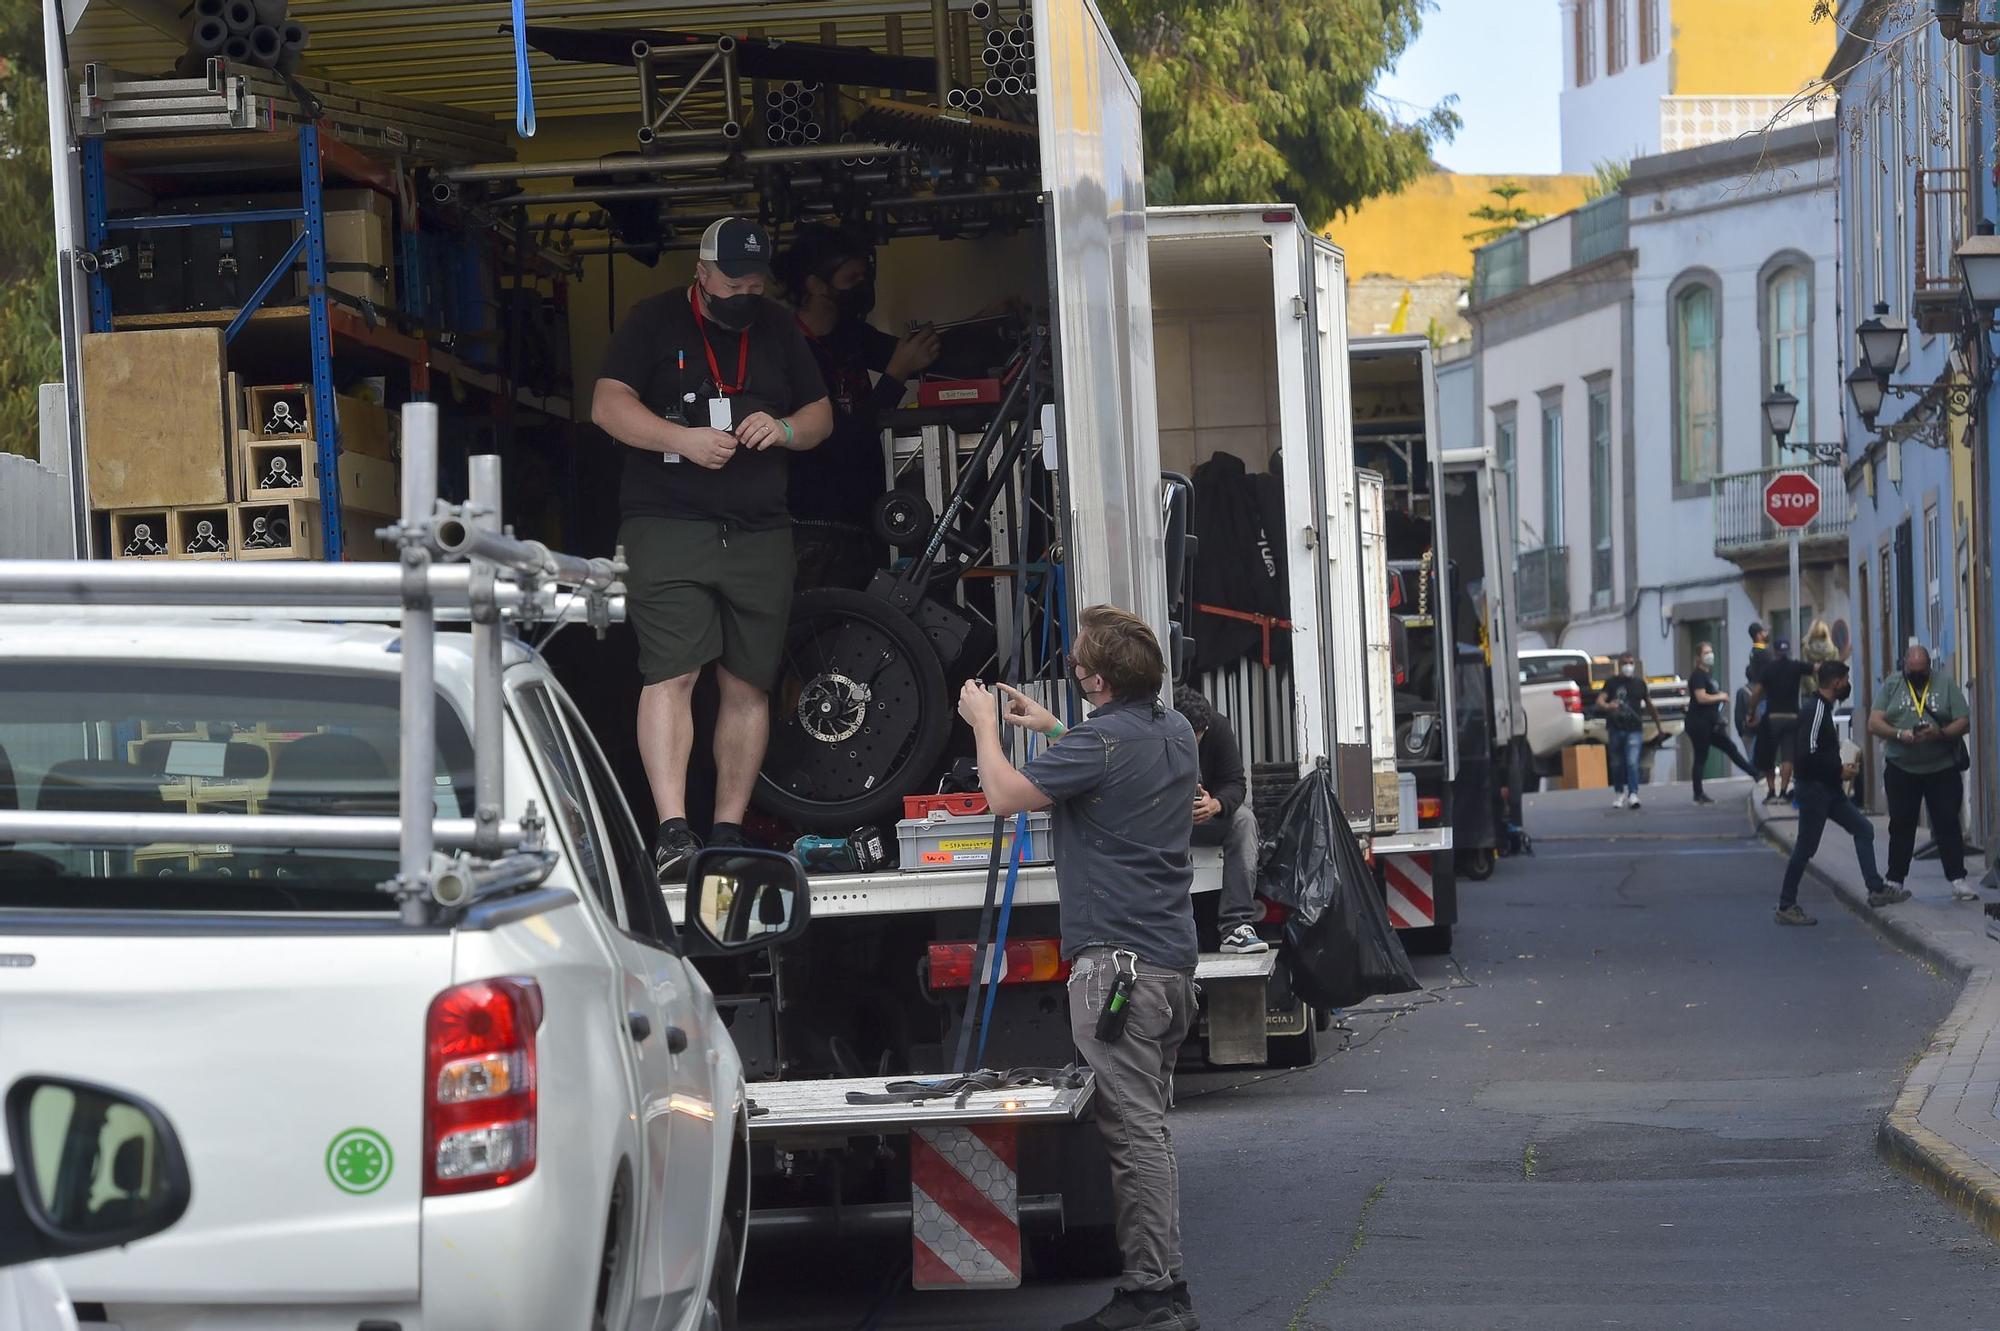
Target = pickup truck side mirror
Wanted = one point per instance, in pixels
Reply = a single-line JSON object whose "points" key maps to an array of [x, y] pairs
{"points": [[743, 900], [93, 1168]]}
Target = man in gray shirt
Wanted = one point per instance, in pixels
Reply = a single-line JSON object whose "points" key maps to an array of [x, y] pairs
{"points": [[1120, 785]]}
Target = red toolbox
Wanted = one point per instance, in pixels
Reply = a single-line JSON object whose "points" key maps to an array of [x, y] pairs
{"points": [[958, 806]]}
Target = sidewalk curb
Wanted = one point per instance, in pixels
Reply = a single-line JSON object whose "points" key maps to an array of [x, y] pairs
{"points": [[1920, 1152]]}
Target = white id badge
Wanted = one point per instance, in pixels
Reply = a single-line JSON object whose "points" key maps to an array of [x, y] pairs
{"points": [[720, 414]]}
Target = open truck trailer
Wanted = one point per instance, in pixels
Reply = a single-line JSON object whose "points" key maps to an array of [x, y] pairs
{"points": [[1029, 487]]}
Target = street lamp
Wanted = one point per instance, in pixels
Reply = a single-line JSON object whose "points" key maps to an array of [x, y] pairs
{"points": [[1882, 342], [1781, 409], [1979, 268], [1950, 17], [1866, 392]]}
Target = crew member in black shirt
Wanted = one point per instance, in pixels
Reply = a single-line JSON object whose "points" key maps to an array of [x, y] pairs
{"points": [[711, 390], [1704, 721], [829, 273], [1780, 686], [1822, 778]]}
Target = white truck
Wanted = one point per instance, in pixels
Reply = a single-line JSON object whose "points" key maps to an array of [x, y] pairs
{"points": [[483, 1088]]}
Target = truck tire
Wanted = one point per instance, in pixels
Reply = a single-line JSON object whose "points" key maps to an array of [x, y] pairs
{"points": [[1477, 864], [1434, 941], [859, 715], [1295, 1051], [720, 1314], [1083, 1252], [613, 1274]]}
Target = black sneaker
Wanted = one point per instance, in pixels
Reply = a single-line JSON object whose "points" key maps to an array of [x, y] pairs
{"points": [[1184, 1305], [1131, 1309], [673, 850], [1703, 799], [727, 834]]}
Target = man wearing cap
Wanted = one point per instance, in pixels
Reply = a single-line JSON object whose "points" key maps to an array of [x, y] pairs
{"points": [[710, 389]]}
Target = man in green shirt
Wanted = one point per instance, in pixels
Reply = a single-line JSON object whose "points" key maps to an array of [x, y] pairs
{"points": [[1923, 716]]}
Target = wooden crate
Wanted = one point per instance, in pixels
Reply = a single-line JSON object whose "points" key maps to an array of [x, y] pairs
{"points": [[278, 411], [127, 542], [365, 428], [277, 529], [153, 415], [273, 469], [203, 532]]}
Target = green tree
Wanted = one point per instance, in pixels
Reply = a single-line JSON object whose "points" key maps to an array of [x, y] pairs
{"points": [[30, 349], [1256, 100], [1503, 218]]}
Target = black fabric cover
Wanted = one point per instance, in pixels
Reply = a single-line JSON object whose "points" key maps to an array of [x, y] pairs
{"points": [[1240, 563], [1338, 941]]}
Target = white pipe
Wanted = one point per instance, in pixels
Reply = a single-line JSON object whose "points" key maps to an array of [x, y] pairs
{"points": [[418, 766], [303, 831], [488, 718]]}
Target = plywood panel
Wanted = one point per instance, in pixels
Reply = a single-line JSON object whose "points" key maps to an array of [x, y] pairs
{"points": [[154, 424], [1170, 360], [1228, 369]]}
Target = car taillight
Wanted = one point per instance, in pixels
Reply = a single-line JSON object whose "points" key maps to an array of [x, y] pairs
{"points": [[479, 1085], [1429, 808], [1571, 698], [1029, 961]]}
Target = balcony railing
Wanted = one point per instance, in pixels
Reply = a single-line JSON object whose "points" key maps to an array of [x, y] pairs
{"points": [[1541, 585], [1599, 228], [1745, 536], [1941, 203], [1500, 269]]}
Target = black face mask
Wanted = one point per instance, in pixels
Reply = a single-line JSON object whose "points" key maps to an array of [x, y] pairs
{"points": [[1917, 678], [732, 312], [1846, 692], [857, 301]]}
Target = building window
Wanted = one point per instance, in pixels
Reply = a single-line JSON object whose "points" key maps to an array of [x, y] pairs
{"points": [[1649, 31], [1614, 36], [1600, 495], [1788, 342], [1552, 472], [1586, 42], [1906, 587], [1697, 373], [1505, 450], [1933, 574], [1891, 658]]}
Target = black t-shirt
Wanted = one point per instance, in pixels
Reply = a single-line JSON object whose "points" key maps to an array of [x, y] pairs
{"points": [[1625, 697], [1784, 681], [659, 353], [840, 480], [1702, 715]]}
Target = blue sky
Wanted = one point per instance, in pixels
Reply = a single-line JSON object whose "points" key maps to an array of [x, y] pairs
{"points": [[1503, 59]]}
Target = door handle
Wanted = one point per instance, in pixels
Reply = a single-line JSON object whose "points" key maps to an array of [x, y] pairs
{"points": [[639, 1024], [677, 1040]]}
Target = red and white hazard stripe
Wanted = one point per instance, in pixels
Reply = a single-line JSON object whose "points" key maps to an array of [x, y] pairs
{"points": [[1407, 891], [965, 1225]]}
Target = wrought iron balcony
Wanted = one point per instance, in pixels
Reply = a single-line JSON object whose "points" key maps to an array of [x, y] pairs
{"points": [[1744, 536], [1541, 586], [1943, 196]]}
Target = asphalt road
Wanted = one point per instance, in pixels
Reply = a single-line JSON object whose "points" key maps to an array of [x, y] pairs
{"points": [[1629, 1100]]}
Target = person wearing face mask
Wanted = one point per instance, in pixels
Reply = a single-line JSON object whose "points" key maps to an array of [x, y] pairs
{"points": [[1822, 780], [711, 390], [1120, 785], [829, 273], [1705, 726], [1923, 716], [1620, 701]]}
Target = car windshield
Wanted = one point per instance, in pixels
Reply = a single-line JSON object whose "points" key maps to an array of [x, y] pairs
{"points": [[133, 738]]}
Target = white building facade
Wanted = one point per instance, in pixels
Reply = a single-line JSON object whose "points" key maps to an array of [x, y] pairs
{"points": [[1734, 295]]}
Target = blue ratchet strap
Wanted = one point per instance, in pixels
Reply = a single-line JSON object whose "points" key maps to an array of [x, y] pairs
{"points": [[1000, 943], [524, 84]]}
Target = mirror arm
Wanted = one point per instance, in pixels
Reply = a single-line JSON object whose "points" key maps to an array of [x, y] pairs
{"points": [[20, 1241]]}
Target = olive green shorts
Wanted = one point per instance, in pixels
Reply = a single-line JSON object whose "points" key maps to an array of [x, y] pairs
{"points": [[696, 594]]}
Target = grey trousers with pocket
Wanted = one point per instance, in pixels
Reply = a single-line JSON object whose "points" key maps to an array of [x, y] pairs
{"points": [[1237, 835], [1135, 1084]]}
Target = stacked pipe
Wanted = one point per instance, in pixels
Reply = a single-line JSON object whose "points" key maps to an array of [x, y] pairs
{"points": [[793, 116], [244, 32], [1007, 59]]}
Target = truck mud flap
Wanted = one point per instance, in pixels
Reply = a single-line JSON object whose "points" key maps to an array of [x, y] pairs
{"points": [[965, 1222], [1408, 892]]}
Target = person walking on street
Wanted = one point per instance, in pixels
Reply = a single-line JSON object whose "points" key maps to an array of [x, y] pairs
{"points": [[1223, 817], [1120, 785], [710, 390], [1822, 787], [1620, 701], [1705, 725], [1923, 715], [1780, 688]]}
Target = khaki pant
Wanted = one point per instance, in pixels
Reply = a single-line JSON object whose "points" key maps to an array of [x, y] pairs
{"points": [[1135, 1084]]}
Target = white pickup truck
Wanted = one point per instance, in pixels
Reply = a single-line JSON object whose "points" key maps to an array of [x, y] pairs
{"points": [[480, 1090]]}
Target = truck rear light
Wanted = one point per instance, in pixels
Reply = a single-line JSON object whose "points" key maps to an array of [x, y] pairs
{"points": [[1273, 912], [1029, 961], [1571, 698], [1429, 808], [479, 1081]]}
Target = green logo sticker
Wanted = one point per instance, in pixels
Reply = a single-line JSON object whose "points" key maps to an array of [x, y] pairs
{"points": [[359, 1161]]}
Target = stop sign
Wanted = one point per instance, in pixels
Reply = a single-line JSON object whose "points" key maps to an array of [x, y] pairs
{"points": [[1791, 499]]}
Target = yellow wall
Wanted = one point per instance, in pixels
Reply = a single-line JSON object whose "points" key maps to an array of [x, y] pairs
{"points": [[1747, 48], [1421, 231]]}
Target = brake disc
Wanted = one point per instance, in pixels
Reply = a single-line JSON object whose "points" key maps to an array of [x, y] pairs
{"points": [[833, 707]]}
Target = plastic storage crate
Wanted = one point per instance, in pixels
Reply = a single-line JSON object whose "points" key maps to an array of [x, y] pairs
{"points": [[945, 841]]}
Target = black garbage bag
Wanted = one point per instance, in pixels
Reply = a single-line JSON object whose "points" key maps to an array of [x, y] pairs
{"points": [[1338, 942]]}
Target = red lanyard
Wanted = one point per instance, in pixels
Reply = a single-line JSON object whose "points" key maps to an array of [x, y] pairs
{"points": [[742, 351]]}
